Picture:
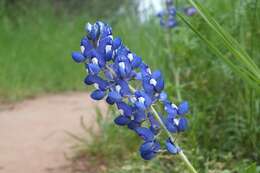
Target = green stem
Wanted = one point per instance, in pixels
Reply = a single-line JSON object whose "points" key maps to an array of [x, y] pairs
{"points": [[178, 85]]}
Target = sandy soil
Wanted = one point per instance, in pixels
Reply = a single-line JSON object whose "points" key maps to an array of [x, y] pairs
{"points": [[32, 137]]}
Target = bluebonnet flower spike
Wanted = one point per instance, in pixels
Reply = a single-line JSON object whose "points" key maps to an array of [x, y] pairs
{"points": [[168, 16], [111, 66]]}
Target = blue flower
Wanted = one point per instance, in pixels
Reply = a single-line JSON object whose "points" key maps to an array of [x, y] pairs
{"points": [[96, 63], [78, 57], [93, 31], [153, 83], [116, 43], [190, 11], [183, 108], [122, 120], [105, 48], [139, 116], [123, 67], [142, 100], [98, 94], [114, 96], [97, 81], [86, 47], [163, 96], [170, 125], [170, 108], [182, 124], [171, 147], [125, 109], [145, 133], [168, 16], [133, 125], [149, 150]]}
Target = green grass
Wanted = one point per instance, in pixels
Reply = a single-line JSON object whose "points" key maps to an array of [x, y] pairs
{"points": [[35, 54], [224, 131]]}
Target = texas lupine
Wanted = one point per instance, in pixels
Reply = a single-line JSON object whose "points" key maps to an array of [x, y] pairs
{"points": [[168, 16], [124, 80]]}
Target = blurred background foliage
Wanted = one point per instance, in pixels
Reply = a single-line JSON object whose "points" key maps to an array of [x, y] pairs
{"points": [[36, 40]]}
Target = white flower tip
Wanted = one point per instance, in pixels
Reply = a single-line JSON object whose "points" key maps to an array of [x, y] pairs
{"points": [[82, 48], [153, 82], [94, 60], [122, 65], [108, 48], [141, 99], [130, 56]]}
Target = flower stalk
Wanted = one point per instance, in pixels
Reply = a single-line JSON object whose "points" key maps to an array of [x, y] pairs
{"points": [[111, 68]]}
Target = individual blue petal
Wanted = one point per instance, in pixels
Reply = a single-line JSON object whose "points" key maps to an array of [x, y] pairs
{"points": [[140, 105], [145, 70], [78, 57], [148, 100], [122, 120], [138, 76], [171, 126], [147, 86], [183, 124], [133, 125], [190, 11], [149, 149], [162, 96], [98, 95], [171, 23], [145, 133], [139, 116], [90, 79], [116, 43], [148, 155], [93, 31], [105, 31], [114, 96], [171, 11], [143, 100], [88, 53], [100, 58], [156, 74], [109, 101], [102, 84], [160, 85], [146, 146], [86, 46], [136, 61], [122, 51], [125, 90], [94, 79], [183, 108], [171, 111], [125, 107], [93, 68], [105, 48], [122, 69], [171, 147]]}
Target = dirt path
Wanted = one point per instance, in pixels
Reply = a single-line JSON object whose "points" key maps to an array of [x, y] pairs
{"points": [[32, 137]]}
